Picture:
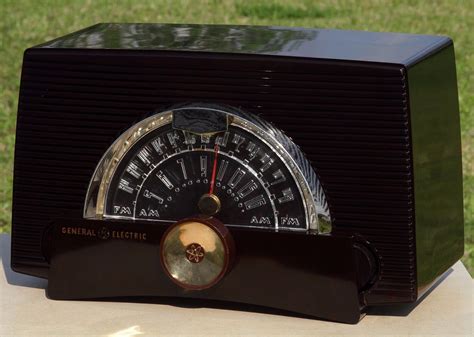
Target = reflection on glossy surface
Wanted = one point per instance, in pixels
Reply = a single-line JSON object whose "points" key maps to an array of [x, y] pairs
{"points": [[437, 166], [189, 37], [285, 41]]}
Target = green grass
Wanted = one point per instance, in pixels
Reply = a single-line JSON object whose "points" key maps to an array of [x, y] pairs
{"points": [[28, 22], [277, 11]]}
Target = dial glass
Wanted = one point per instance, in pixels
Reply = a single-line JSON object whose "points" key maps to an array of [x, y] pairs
{"points": [[168, 171], [240, 173]]}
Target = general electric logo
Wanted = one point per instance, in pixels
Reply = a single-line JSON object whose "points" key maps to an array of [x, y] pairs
{"points": [[103, 233]]}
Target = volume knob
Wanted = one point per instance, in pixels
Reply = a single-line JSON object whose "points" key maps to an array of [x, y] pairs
{"points": [[196, 253]]}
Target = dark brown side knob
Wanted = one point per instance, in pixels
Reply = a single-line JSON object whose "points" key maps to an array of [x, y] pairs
{"points": [[366, 265], [196, 253]]}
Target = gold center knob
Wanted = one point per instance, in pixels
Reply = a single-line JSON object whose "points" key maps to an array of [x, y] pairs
{"points": [[196, 252]]}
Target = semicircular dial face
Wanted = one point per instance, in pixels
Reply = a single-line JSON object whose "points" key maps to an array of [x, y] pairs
{"points": [[239, 174]]}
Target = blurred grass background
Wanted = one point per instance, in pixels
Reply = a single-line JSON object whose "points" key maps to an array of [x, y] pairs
{"points": [[28, 22]]}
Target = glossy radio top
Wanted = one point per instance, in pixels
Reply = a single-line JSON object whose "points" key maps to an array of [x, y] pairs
{"points": [[405, 49]]}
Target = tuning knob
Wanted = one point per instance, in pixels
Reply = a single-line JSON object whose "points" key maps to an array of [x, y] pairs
{"points": [[196, 253]]}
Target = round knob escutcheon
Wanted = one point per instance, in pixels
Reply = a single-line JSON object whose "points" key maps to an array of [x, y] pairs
{"points": [[196, 253]]}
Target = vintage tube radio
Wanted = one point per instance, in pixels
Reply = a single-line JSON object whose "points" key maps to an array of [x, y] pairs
{"points": [[309, 170]]}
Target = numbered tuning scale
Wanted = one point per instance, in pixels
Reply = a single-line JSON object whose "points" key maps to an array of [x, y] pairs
{"points": [[212, 202]]}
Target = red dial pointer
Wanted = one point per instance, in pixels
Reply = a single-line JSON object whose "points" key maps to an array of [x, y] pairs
{"points": [[214, 169]]}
